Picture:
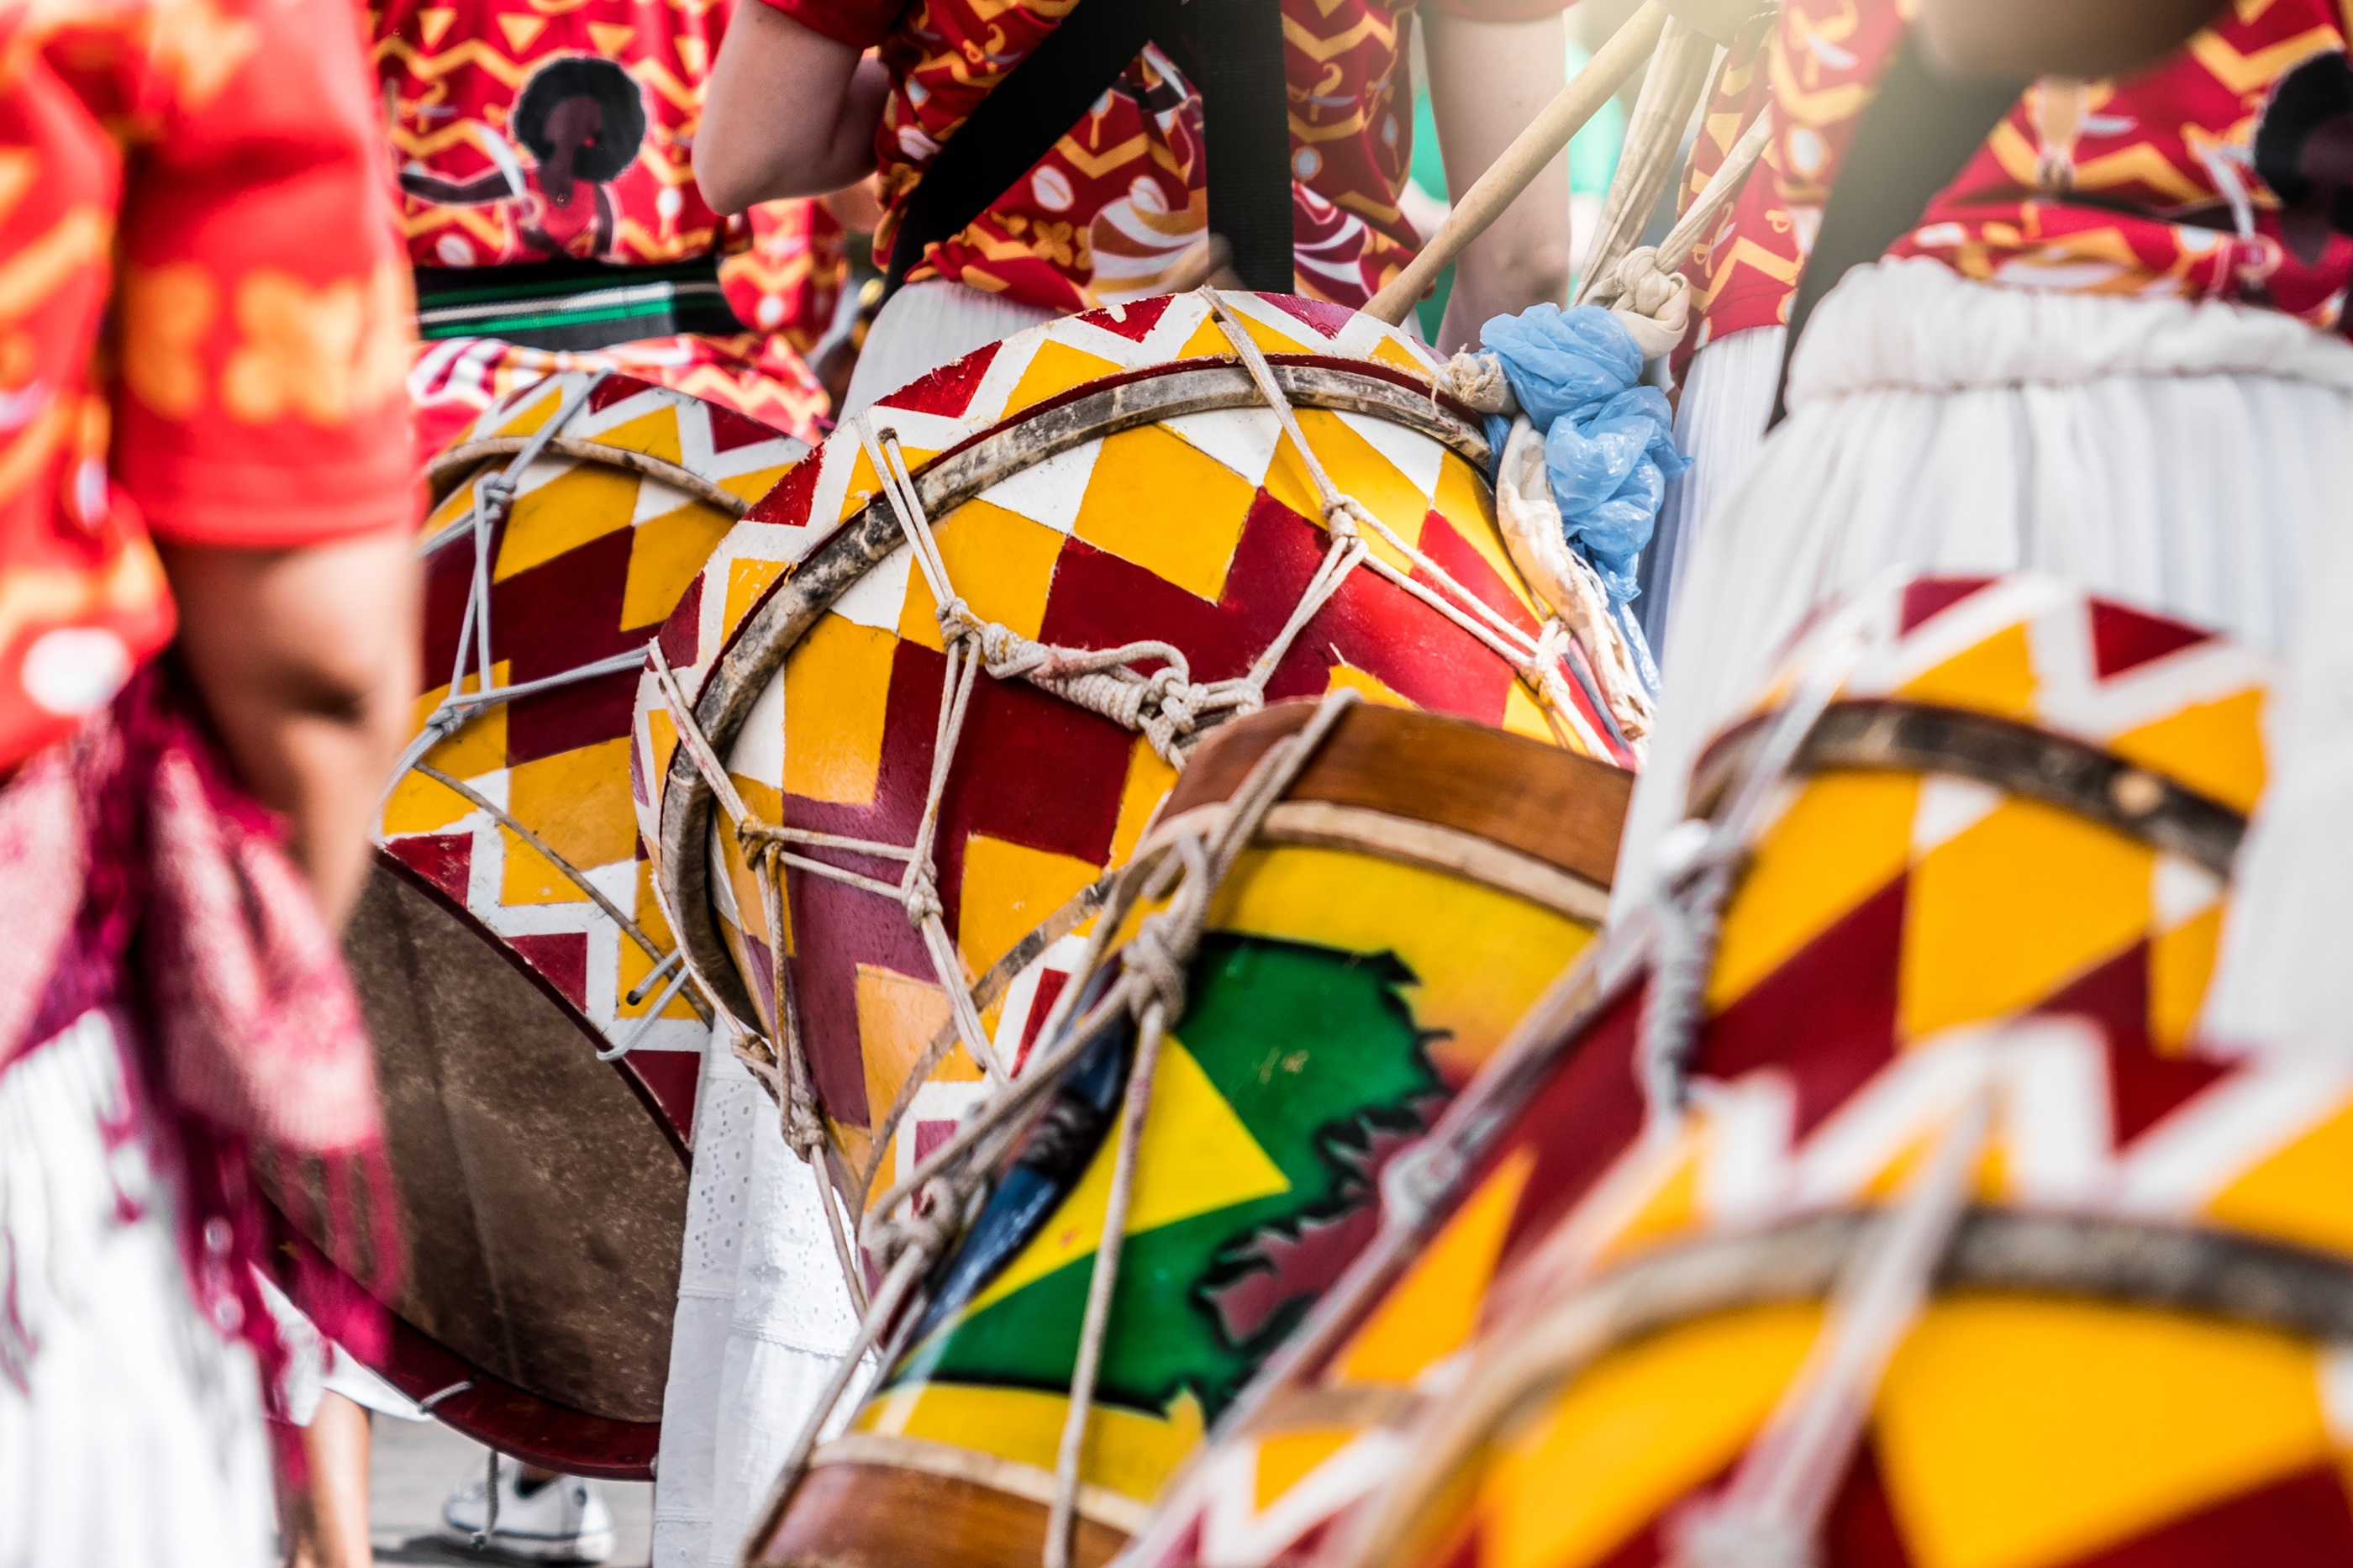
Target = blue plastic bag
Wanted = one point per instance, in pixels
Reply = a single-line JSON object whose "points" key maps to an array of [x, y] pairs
{"points": [[1608, 441]]}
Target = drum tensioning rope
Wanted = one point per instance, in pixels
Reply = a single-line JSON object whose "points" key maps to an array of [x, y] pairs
{"points": [[915, 1224]]}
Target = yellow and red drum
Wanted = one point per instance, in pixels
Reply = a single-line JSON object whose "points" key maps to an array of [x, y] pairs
{"points": [[1980, 834], [1117, 481], [1411, 893], [508, 939]]}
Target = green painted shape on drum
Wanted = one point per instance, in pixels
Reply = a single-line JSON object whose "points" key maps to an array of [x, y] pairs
{"points": [[1317, 1053]]}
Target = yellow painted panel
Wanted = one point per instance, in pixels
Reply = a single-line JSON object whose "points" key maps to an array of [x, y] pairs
{"points": [[2215, 748], [654, 434], [2012, 908], [1389, 352], [2180, 964], [1055, 368], [669, 549], [1524, 715], [747, 581], [2303, 1192], [1195, 1157], [998, 561], [1284, 1458], [837, 684], [2017, 1434], [755, 484], [1357, 468], [1008, 889], [766, 806], [1148, 782], [417, 804], [453, 506], [562, 515], [578, 804], [865, 485], [1429, 1314], [1209, 340], [1127, 1451], [1846, 837], [1481, 957], [1642, 1427], [1166, 506], [1466, 503], [1996, 676], [897, 1016], [1368, 685], [634, 962]]}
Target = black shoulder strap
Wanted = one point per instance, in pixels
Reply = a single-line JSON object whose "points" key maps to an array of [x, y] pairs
{"points": [[1233, 50], [1916, 135]]}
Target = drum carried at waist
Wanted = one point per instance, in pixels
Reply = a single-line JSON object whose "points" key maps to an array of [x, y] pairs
{"points": [[1936, 938], [536, 1049], [934, 686], [1343, 910]]}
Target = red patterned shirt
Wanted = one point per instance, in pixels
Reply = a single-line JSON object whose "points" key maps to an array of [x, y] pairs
{"points": [[209, 174], [2206, 176], [1106, 214]]}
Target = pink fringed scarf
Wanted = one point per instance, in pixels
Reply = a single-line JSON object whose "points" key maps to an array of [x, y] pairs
{"points": [[135, 875]]}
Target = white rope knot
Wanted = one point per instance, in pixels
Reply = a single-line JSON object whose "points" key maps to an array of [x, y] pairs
{"points": [[1343, 518], [920, 894], [803, 1128], [1157, 955], [1652, 303], [1477, 380]]}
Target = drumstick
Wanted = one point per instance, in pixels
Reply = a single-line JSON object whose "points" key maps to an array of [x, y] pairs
{"points": [[1523, 160]]}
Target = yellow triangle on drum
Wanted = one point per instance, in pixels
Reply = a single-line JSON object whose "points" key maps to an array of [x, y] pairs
{"points": [[897, 1016], [1363, 472], [1195, 1157], [2215, 748], [1996, 676], [1285, 1458], [1009, 891], [1639, 1430], [1366, 684], [2302, 1193], [587, 501], [747, 581], [654, 433], [1466, 503], [527, 419], [1165, 505], [865, 484], [664, 557], [2006, 913], [1149, 780], [1055, 368], [521, 31], [1209, 340], [1388, 350], [1431, 1311], [2020, 1433], [755, 484], [1844, 838], [837, 688]]}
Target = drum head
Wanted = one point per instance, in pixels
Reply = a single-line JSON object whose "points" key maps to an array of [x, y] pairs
{"points": [[541, 1207]]}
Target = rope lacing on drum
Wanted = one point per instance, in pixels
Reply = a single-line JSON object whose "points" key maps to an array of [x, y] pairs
{"points": [[494, 498], [913, 1227]]}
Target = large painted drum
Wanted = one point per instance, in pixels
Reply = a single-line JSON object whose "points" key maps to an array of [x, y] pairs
{"points": [[508, 939], [1414, 889], [942, 675], [1965, 868]]}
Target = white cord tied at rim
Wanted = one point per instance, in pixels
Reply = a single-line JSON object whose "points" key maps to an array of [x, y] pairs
{"points": [[1645, 289]]}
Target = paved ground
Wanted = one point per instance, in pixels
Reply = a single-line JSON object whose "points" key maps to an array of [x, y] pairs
{"points": [[417, 1463]]}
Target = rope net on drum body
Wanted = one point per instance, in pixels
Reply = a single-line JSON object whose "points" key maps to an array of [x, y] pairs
{"points": [[494, 497], [913, 1226]]}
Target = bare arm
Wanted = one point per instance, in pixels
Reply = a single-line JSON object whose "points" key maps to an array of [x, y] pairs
{"points": [[2000, 39], [306, 659], [1487, 81], [787, 112]]}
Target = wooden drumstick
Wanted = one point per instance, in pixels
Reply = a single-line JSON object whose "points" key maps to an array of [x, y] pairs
{"points": [[1524, 158]]}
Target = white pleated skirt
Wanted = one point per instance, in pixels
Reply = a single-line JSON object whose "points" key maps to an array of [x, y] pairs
{"points": [[2181, 456], [762, 1315], [131, 1426]]}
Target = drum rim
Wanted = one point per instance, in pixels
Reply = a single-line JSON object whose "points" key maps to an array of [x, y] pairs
{"points": [[2186, 1269], [757, 650]]}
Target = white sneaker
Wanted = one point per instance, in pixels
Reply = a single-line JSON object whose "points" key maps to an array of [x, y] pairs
{"points": [[564, 1521]]}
